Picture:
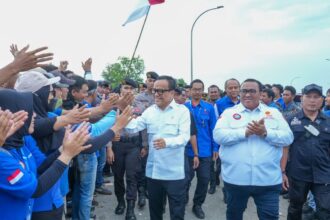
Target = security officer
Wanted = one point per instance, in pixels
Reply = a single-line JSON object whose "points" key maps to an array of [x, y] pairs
{"points": [[142, 102], [126, 153], [205, 119], [309, 160]]}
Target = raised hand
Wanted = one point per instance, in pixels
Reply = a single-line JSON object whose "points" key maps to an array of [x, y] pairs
{"points": [[63, 65], [87, 65], [73, 142], [125, 100], [123, 119], [13, 49], [77, 115], [107, 104], [24, 60]]}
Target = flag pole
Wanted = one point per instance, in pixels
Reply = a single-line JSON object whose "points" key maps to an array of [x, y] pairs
{"points": [[138, 41]]}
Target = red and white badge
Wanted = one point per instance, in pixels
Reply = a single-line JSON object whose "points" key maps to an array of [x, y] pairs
{"points": [[15, 176], [237, 116]]}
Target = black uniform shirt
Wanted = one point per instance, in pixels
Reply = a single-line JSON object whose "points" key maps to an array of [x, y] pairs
{"points": [[309, 154]]}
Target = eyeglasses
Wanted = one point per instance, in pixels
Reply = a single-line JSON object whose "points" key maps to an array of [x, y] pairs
{"points": [[160, 91], [197, 89], [246, 91]]}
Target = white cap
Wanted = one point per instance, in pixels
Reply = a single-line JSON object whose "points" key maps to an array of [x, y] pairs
{"points": [[32, 81]]}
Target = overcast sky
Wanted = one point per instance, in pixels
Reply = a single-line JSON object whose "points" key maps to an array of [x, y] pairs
{"points": [[273, 41]]}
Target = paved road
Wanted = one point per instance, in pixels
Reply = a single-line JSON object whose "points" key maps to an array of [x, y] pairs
{"points": [[214, 208]]}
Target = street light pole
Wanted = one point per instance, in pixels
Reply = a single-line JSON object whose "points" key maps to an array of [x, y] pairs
{"points": [[191, 40]]}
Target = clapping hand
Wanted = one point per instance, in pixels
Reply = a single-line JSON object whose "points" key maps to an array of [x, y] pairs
{"points": [[256, 127], [73, 142]]}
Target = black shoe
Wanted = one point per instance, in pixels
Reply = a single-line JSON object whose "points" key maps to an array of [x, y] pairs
{"points": [[102, 190], [142, 197], [217, 181], [120, 209], [94, 203], [308, 214], [306, 208], [212, 190], [92, 216], [198, 211], [130, 210]]}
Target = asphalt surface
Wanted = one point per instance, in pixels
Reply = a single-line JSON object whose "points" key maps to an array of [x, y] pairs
{"points": [[213, 207]]}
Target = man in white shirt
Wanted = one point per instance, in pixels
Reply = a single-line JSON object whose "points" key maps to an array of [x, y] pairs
{"points": [[168, 127], [251, 136]]}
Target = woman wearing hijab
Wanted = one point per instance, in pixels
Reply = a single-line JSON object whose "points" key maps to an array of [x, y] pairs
{"points": [[19, 167]]}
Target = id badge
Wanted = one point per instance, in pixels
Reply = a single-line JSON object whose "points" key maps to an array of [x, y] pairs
{"points": [[312, 130]]}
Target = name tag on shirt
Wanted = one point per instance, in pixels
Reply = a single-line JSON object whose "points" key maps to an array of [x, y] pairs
{"points": [[312, 130]]}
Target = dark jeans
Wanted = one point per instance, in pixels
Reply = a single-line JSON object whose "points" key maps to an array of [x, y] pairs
{"points": [[266, 199], [175, 191], [298, 192], [126, 160], [203, 178], [215, 173]]}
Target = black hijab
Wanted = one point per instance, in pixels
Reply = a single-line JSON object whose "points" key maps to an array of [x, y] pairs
{"points": [[40, 101], [16, 101], [50, 140]]}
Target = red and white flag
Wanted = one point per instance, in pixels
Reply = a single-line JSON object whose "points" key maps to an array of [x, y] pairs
{"points": [[142, 9], [15, 177]]}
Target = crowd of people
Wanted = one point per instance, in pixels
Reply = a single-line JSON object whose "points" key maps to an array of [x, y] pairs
{"points": [[60, 132]]}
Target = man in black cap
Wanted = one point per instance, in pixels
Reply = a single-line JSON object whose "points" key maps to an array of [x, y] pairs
{"points": [[309, 160], [124, 156], [142, 102]]}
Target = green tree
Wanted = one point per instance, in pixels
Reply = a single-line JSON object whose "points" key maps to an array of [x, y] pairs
{"points": [[180, 82], [117, 72]]}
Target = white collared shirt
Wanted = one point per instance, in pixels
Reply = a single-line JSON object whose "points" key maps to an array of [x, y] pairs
{"points": [[172, 124], [252, 160]]}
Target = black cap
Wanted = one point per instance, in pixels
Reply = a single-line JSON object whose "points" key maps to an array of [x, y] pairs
{"points": [[178, 90], [312, 87], [152, 75], [128, 81], [64, 79]]}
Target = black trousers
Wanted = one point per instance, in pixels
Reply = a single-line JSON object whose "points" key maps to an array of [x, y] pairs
{"points": [[126, 160], [175, 191], [203, 178], [55, 214], [298, 193], [141, 174], [215, 172]]}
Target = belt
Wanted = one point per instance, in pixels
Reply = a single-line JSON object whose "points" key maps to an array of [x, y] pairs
{"points": [[134, 139]]}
